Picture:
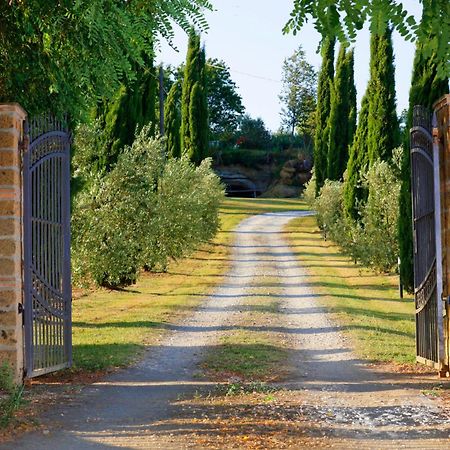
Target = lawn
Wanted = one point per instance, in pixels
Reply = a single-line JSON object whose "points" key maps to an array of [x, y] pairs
{"points": [[367, 305], [112, 328]]}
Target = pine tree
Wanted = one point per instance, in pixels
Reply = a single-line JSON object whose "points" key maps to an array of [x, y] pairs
{"points": [[383, 134], [426, 88], [194, 127], [358, 164], [338, 124], [172, 117], [323, 113]]}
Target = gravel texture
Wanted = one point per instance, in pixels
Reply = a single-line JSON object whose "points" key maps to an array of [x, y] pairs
{"points": [[356, 406]]}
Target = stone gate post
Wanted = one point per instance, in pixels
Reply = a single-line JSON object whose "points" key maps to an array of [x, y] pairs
{"points": [[12, 117]]}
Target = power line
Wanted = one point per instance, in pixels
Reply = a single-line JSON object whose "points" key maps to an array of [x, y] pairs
{"points": [[244, 73]]}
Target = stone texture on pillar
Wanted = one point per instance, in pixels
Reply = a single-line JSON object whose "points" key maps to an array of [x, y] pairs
{"points": [[442, 134], [12, 117]]}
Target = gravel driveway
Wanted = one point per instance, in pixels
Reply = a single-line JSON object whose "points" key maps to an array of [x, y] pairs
{"points": [[358, 406]]}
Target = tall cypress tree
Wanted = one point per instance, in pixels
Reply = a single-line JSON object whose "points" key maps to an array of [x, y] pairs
{"points": [[133, 107], [352, 111], [194, 125], [172, 117], [191, 76], [358, 164], [323, 113], [338, 123], [383, 134], [426, 88]]}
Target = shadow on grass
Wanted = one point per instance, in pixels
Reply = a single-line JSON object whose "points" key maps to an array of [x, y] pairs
{"points": [[97, 357], [249, 328]]}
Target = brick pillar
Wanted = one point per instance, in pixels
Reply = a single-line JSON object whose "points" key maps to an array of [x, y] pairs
{"points": [[12, 117], [442, 134]]}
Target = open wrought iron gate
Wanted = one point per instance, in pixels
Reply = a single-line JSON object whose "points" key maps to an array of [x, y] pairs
{"points": [[427, 241], [46, 214]]}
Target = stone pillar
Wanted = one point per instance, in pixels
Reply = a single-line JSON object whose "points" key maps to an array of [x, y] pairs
{"points": [[12, 117]]}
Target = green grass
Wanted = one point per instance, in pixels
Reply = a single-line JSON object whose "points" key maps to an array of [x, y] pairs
{"points": [[11, 396], [247, 355], [112, 328], [367, 305]]}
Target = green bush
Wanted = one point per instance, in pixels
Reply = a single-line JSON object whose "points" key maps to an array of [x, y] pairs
{"points": [[372, 240], [309, 193], [244, 157], [142, 213], [379, 217], [328, 206]]}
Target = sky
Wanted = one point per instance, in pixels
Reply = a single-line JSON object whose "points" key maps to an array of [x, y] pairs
{"points": [[247, 35]]}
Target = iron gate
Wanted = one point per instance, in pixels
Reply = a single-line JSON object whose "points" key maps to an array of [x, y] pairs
{"points": [[427, 248], [47, 283]]}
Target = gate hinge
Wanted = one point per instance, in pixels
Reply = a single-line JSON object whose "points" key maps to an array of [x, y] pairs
{"points": [[20, 308]]}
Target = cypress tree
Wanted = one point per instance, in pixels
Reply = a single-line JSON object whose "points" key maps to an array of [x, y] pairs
{"points": [[352, 111], [133, 107], [338, 123], [194, 125], [199, 133], [172, 119], [323, 113], [358, 164], [383, 134], [191, 76], [426, 88]]}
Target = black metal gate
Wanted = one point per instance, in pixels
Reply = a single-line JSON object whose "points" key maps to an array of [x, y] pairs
{"points": [[47, 283], [426, 220]]}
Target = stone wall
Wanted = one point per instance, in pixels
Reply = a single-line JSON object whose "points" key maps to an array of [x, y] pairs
{"points": [[12, 117]]}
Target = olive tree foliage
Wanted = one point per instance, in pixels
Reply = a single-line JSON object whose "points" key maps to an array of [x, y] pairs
{"points": [[343, 18], [67, 56], [298, 95], [146, 211], [371, 241]]}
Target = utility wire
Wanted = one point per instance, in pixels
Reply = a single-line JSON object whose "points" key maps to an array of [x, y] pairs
{"points": [[244, 73]]}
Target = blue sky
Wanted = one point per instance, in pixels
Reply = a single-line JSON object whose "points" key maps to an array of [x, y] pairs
{"points": [[247, 35]]}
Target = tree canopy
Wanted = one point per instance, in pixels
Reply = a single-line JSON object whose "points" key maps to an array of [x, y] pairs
{"points": [[224, 102], [326, 77], [253, 133], [343, 18], [66, 57], [298, 94]]}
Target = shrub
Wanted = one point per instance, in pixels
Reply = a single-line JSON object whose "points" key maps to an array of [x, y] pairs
{"points": [[379, 217], [186, 212], [142, 213], [309, 193], [329, 208], [372, 240]]}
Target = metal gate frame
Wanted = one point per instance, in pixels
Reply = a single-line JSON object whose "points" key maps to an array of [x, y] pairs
{"points": [[428, 279], [46, 251]]}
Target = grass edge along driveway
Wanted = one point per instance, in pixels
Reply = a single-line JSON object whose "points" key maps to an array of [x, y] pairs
{"points": [[112, 328], [366, 304]]}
